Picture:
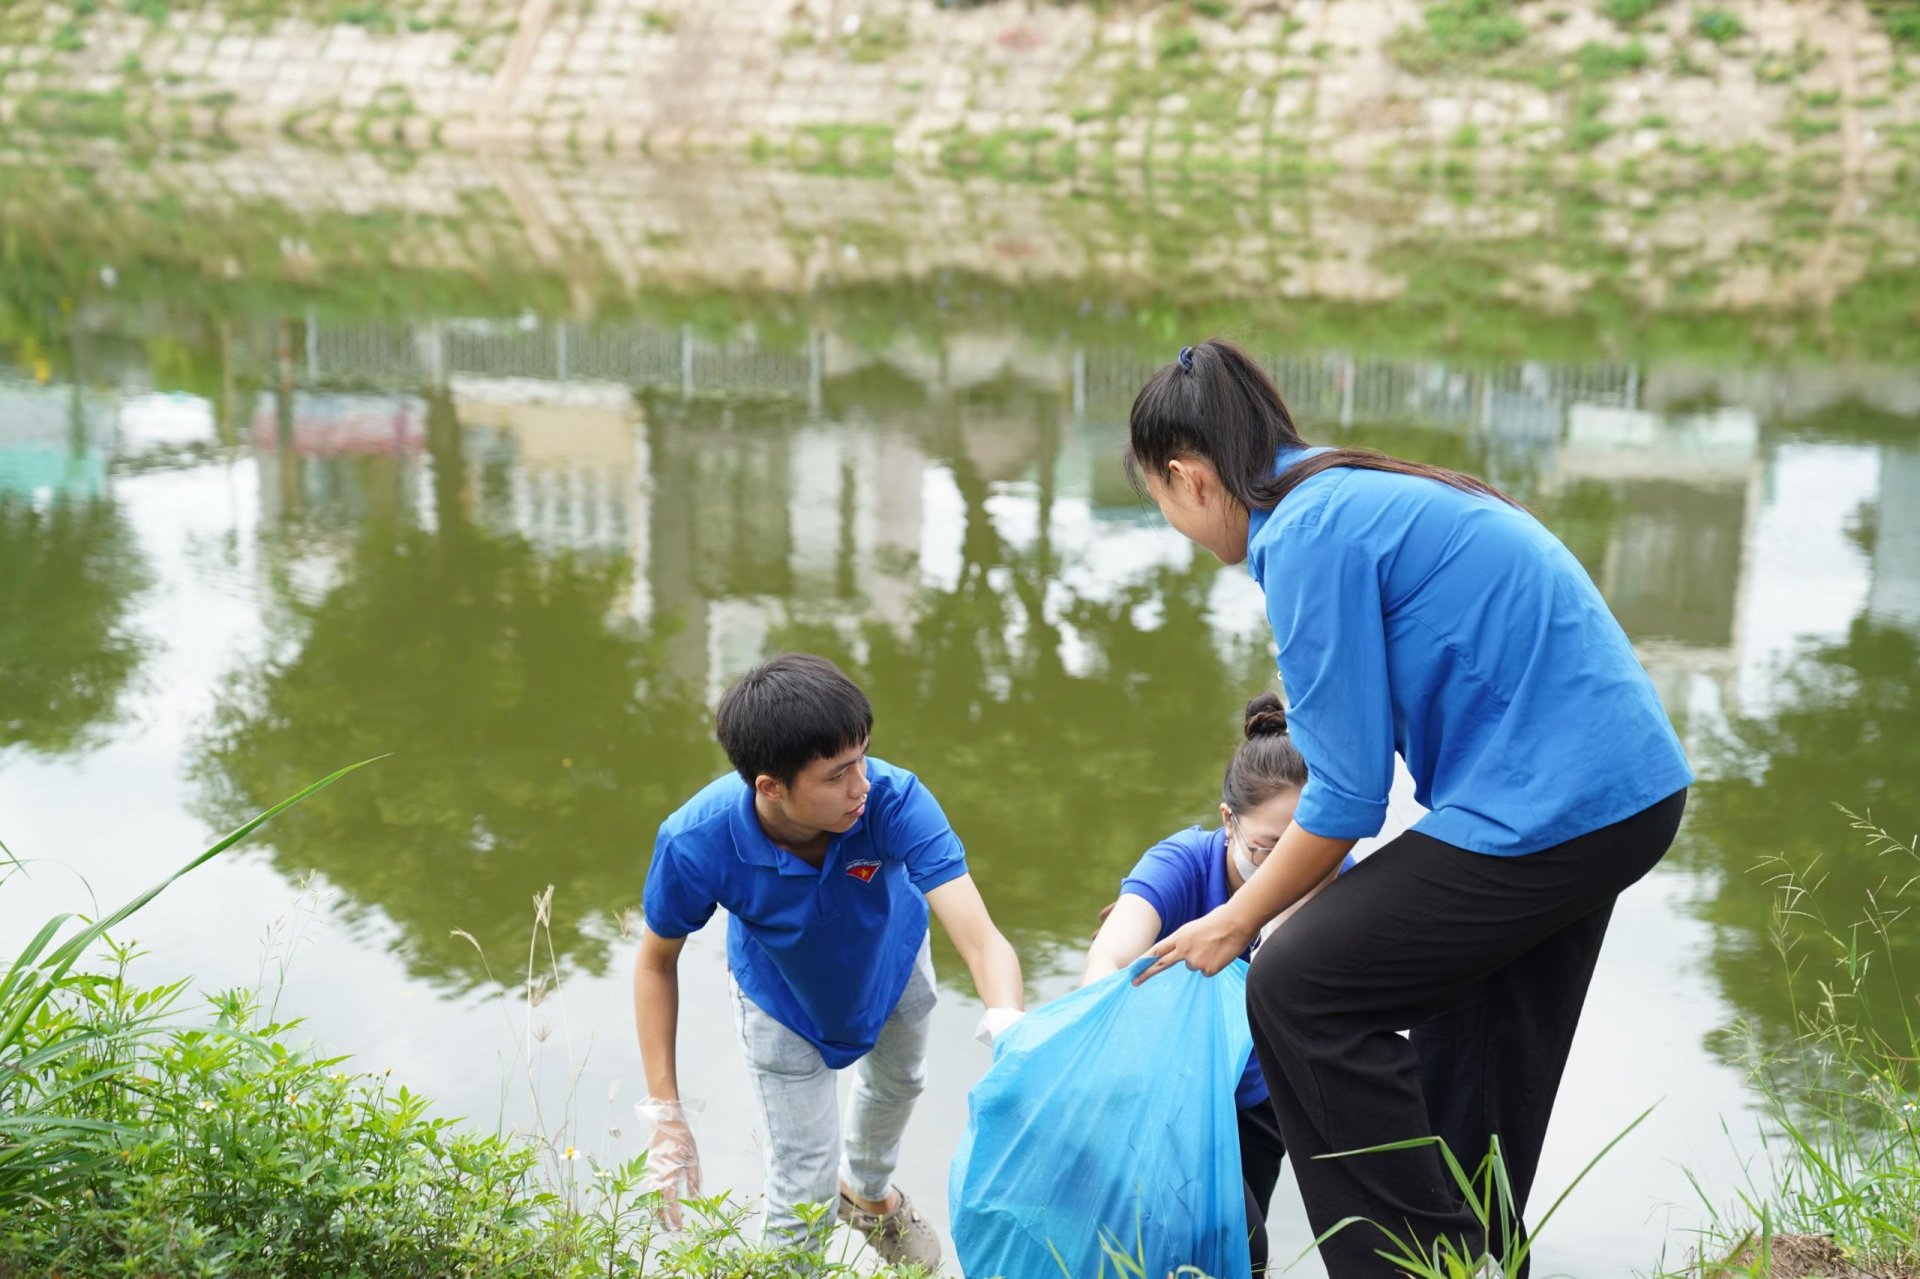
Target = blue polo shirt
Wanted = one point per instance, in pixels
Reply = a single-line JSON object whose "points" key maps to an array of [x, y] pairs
{"points": [[826, 953], [1183, 877], [1457, 631]]}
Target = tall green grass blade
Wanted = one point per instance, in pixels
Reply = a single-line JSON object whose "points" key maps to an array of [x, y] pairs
{"points": [[40, 985], [23, 967], [1325, 1235], [1591, 1165]]}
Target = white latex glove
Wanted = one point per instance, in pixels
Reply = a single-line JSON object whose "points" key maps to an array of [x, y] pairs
{"points": [[673, 1161], [994, 1023]]}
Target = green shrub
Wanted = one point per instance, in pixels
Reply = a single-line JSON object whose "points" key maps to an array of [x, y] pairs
{"points": [[1628, 12], [1588, 130], [1181, 42], [1901, 18], [142, 1141], [1805, 128], [1604, 61], [240, 1151], [1718, 25], [1459, 34], [373, 15], [1474, 28], [1842, 1098]]}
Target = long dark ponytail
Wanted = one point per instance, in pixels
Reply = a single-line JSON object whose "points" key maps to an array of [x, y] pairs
{"points": [[1216, 403]]}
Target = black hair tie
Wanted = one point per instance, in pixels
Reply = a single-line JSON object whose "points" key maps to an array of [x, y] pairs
{"points": [[1186, 358]]}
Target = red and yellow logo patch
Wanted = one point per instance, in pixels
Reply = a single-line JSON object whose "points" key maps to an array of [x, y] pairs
{"points": [[863, 871]]}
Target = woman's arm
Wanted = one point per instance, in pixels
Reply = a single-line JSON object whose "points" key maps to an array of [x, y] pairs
{"points": [[1130, 928], [1299, 863], [1294, 909]]}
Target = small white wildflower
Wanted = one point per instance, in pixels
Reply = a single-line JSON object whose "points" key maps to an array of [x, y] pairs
{"points": [[293, 1099], [1910, 1108], [571, 1154], [206, 1105]]}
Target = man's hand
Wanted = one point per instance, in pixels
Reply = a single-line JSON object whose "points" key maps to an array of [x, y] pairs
{"points": [[673, 1161], [994, 1023]]}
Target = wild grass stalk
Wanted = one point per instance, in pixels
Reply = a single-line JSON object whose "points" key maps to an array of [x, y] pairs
{"points": [[47, 1140], [1507, 1246], [1840, 1186], [139, 1138]]}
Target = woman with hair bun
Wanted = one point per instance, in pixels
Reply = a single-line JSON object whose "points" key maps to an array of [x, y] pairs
{"points": [[1195, 870], [1418, 612]]}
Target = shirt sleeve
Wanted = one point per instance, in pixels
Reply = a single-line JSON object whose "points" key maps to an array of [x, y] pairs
{"points": [[1324, 601], [1166, 879], [918, 832], [676, 900]]}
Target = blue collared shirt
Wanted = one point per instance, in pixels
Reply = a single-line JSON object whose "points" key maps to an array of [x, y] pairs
{"points": [[826, 953], [1457, 631], [1183, 877]]}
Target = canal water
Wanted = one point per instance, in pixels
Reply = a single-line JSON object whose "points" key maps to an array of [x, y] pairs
{"points": [[519, 556]]}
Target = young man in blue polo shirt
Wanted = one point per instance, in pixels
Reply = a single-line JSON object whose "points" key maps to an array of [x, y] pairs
{"points": [[827, 862]]}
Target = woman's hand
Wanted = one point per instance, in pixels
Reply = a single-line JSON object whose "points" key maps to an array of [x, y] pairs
{"points": [[1207, 945]]}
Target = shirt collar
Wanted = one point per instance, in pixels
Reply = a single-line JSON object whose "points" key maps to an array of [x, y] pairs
{"points": [[750, 842], [1257, 520]]}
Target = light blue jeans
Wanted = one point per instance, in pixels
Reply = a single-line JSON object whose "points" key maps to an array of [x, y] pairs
{"points": [[800, 1106]]}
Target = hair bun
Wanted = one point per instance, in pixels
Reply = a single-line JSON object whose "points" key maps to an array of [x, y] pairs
{"points": [[1266, 717]]}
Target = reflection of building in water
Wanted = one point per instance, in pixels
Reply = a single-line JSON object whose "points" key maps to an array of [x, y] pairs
{"points": [[1680, 492], [1517, 409], [340, 424], [55, 441], [766, 518], [1808, 575], [1894, 598], [563, 464], [339, 455], [823, 483], [1672, 571]]}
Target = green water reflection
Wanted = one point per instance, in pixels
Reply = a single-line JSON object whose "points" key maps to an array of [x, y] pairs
{"points": [[68, 575], [522, 558], [1847, 732], [531, 741], [69, 572]]}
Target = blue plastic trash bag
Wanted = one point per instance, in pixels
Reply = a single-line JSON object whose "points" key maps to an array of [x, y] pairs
{"points": [[1108, 1115]]}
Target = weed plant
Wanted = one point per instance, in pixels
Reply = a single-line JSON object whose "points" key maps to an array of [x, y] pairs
{"points": [[1839, 1177], [142, 1136]]}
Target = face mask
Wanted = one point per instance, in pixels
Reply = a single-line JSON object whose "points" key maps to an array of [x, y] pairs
{"points": [[1243, 864]]}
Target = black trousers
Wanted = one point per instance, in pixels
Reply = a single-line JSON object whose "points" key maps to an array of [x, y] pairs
{"points": [[1261, 1150], [1487, 960]]}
